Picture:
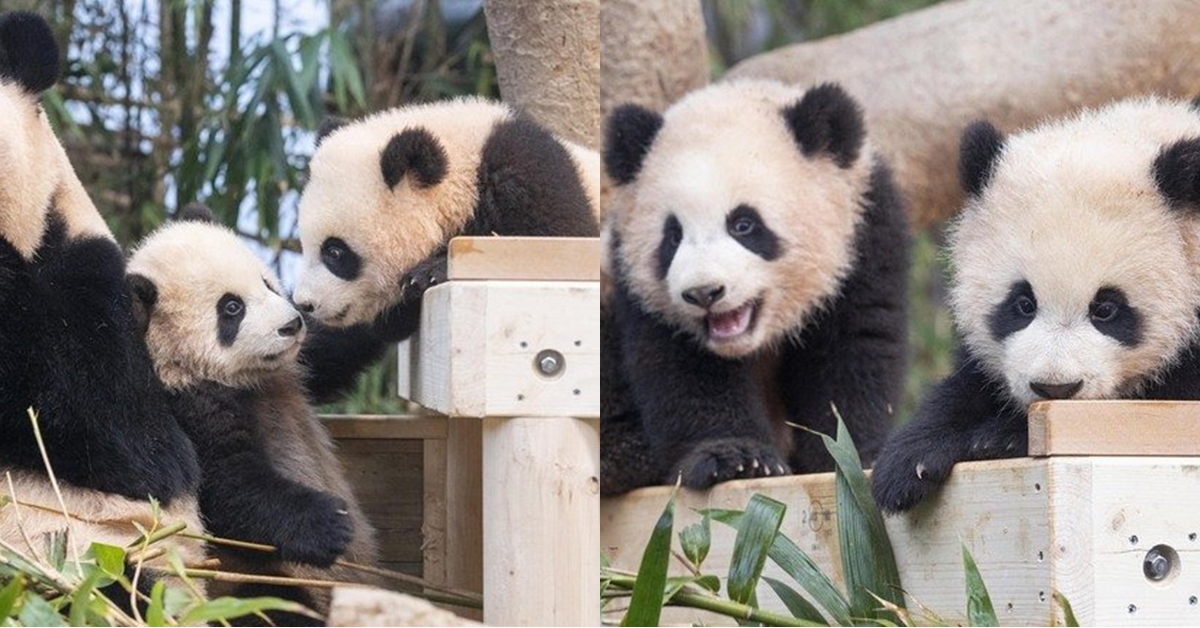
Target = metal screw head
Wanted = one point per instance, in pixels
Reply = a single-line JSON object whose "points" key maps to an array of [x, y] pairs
{"points": [[1156, 565], [549, 362]]}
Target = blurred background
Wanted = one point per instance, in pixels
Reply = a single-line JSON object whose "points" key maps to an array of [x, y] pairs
{"points": [[165, 102]]}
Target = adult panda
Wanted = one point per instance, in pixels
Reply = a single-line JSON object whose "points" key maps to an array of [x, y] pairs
{"points": [[387, 193], [225, 342], [69, 347], [1076, 276], [759, 254]]}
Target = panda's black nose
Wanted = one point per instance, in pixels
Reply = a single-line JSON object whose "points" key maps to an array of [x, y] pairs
{"points": [[704, 296], [307, 308], [292, 328], [1055, 391]]}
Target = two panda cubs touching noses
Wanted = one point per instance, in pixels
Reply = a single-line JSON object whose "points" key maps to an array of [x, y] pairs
{"points": [[759, 260]]}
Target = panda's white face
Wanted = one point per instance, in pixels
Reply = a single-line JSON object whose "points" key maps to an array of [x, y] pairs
{"points": [[1073, 276], [218, 313], [360, 232], [728, 232]]}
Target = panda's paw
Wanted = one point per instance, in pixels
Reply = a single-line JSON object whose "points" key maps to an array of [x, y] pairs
{"points": [[720, 460], [905, 476], [993, 444], [320, 533], [425, 275]]}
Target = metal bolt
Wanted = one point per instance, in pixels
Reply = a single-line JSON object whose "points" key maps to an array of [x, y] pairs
{"points": [[1132, 608], [1133, 540], [549, 362], [1156, 565], [1192, 600]]}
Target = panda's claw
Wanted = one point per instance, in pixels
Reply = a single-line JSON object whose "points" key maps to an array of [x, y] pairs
{"points": [[719, 460]]}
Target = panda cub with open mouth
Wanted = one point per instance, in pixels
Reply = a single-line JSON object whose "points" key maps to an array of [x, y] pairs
{"points": [[1076, 276], [758, 250]]}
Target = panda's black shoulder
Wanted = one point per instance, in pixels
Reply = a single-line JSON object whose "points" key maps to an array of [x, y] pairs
{"points": [[528, 184]]}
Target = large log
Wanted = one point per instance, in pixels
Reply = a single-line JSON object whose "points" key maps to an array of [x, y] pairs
{"points": [[924, 76], [653, 52], [548, 62]]}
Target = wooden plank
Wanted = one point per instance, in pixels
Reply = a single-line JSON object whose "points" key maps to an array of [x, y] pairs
{"points": [[541, 494], [464, 507], [478, 344], [1132, 505], [1114, 428], [433, 524], [525, 258], [386, 476], [418, 426], [1004, 539]]}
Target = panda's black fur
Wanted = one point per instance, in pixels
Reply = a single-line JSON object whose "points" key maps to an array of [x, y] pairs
{"points": [[670, 407], [972, 414], [69, 347]]}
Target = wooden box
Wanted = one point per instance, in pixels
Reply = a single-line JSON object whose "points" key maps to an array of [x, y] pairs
{"points": [[1081, 525]]}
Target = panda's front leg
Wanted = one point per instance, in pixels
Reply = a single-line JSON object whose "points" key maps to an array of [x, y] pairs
{"points": [[426, 274], [701, 413], [961, 418]]}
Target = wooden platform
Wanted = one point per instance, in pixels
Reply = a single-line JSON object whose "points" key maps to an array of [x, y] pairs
{"points": [[1079, 525], [509, 353]]}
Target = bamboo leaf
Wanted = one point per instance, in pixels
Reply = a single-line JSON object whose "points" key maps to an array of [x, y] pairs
{"points": [[225, 608], [868, 562], [297, 92], [81, 599], [109, 558], [979, 604], [1068, 612], [795, 563], [756, 533], [156, 610], [795, 603], [696, 540], [645, 607], [38, 612], [10, 594]]}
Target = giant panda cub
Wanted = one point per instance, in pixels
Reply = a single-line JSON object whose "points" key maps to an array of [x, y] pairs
{"points": [[69, 347], [759, 254], [387, 193], [1076, 276], [225, 342]]}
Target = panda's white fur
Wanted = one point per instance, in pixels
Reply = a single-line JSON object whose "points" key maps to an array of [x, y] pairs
{"points": [[698, 170], [346, 197], [93, 516], [1072, 206], [192, 265]]}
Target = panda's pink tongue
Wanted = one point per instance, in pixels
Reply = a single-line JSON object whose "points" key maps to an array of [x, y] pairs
{"points": [[731, 323]]}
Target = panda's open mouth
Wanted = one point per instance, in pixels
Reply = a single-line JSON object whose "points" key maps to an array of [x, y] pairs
{"points": [[728, 325]]}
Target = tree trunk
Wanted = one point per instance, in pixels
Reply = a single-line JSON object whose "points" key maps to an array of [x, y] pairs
{"points": [[548, 62], [654, 51], [924, 76]]}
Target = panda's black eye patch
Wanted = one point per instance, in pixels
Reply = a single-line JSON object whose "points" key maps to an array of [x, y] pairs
{"points": [[1112, 316], [230, 312], [1014, 313], [747, 227], [672, 235], [340, 259]]}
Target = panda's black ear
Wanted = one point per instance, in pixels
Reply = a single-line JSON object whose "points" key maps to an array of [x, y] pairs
{"points": [[978, 151], [144, 295], [196, 212], [627, 138], [329, 125], [1177, 173], [414, 152], [827, 120], [28, 52]]}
